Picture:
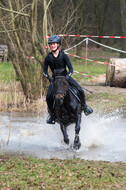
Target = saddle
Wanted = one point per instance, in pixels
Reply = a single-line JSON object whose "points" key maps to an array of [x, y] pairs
{"points": [[75, 92]]}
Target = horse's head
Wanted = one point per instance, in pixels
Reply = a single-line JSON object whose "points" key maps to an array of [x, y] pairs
{"points": [[60, 87]]}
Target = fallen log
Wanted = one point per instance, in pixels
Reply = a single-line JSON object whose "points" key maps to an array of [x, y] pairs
{"points": [[116, 73]]}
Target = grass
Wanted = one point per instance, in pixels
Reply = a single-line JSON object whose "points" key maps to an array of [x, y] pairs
{"points": [[93, 69], [94, 52], [11, 94], [106, 102], [30, 173], [7, 72]]}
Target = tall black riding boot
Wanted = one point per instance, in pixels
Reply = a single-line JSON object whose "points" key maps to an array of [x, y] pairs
{"points": [[87, 110], [51, 119]]}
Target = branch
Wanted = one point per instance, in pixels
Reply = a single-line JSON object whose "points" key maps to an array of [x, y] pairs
{"points": [[14, 30], [48, 6], [15, 33], [15, 12], [12, 44], [20, 11]]}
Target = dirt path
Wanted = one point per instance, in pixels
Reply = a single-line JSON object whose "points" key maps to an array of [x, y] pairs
{"points": [[104, 98], [97, 85]]}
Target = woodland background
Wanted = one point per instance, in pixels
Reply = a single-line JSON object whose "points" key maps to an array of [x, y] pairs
{"points": [[25, 23]]}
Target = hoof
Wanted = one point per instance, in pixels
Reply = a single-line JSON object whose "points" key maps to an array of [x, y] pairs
{"points": [[77, 146], [77, 143], [66, 141]]}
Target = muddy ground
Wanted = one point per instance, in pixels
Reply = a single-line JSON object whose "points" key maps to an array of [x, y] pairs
{"points": [[97, 85]]}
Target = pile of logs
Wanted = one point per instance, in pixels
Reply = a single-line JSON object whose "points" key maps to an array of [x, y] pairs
{"points": [[3, 53], [116, 73]]}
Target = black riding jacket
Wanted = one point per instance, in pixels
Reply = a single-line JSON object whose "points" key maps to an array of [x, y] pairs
{"points": [[55, 63]]}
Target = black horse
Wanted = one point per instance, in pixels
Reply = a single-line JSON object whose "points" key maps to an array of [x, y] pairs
{"points": [[67, 108]]}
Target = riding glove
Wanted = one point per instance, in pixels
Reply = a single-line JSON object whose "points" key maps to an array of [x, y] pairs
{"points": [[51, 79], [67, 77]]}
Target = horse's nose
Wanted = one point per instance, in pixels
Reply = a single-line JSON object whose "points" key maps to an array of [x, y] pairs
{"points": [[59, 96]]}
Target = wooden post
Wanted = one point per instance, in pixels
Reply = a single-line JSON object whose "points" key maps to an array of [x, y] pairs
{"points": [[86, 55]]}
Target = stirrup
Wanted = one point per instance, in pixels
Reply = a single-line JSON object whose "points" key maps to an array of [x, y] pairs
{"points": [[87, 110], [51, 120]]}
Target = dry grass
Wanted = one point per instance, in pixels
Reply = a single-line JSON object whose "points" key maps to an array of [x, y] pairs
{"points": [[11, 93], [13, 99]]}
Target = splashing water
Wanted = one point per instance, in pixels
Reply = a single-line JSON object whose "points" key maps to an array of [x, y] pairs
{"points": [[102, 137]]}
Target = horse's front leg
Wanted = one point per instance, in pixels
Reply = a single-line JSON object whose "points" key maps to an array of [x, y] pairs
{"points": [[63, 129], [77, 143]]}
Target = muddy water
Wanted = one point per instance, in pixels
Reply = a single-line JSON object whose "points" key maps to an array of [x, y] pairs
{"points": [[102, 137]]}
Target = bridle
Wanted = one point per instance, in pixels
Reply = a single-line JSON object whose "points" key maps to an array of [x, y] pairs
{"points": [[60, 94]]}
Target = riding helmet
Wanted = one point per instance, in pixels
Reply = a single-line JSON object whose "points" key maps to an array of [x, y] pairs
{"points": [[54, 39]]}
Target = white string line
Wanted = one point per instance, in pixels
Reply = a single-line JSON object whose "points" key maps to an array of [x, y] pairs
{"points": [[76, 45], [96, 61], [96, 43], [107, 46]]}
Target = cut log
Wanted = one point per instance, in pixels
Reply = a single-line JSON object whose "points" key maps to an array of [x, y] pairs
{"points": [[116, 73]]}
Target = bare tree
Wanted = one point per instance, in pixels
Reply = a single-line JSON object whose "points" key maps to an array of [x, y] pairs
{"points": [[20, 26], [123, 19], [100, 10]]}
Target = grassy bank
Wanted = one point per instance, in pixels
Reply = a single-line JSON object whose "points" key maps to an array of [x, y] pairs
{"points": [[11, 95], [105, 102], [33, 174]]}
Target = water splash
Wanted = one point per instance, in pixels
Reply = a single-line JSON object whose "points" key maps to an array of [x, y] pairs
{"points": [[103, 137]]}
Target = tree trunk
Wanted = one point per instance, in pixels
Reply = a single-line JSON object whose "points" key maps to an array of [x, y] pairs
{"points": [[100, 17], [123, 19], [26, 39]]}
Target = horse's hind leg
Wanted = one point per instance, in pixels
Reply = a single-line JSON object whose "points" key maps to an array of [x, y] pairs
{"points": [[63, 129], [77, 143]]}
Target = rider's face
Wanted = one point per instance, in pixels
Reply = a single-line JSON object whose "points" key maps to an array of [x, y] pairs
{"points": [[53, 46]]}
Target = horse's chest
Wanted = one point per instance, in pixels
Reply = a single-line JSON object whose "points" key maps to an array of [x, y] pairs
{"points": [[66, 113]]}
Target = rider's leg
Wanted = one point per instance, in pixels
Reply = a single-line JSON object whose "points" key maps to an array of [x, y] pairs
{"points": [[49, 100], [87, 109]]}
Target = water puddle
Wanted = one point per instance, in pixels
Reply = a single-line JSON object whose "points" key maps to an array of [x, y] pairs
{"points": [[102, 137]]}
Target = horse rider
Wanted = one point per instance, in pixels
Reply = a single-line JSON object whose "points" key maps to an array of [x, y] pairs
{"points": [[57, 59]]}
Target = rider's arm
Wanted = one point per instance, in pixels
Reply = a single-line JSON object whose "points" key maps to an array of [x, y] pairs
{"points": [[45, 70], [69, 65]]}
